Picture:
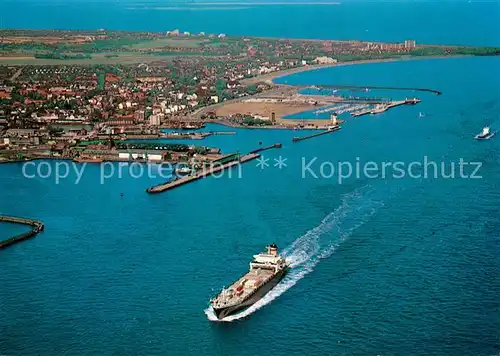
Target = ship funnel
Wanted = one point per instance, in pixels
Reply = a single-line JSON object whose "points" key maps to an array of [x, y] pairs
{"points": [[272, 249]]}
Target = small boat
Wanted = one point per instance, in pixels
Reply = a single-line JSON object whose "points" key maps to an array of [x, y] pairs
{"points": [[192, 126], [421, 115], [183, 170], [486, 134]]}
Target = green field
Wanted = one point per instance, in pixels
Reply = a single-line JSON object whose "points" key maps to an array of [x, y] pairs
{"points": [[172, 42], [99, 58]]}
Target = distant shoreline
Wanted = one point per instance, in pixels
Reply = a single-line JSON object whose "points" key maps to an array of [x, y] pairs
{"points": [[270, 77]]}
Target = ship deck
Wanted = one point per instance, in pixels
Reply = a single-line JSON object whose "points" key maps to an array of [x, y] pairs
{"points": [[249, 283]]}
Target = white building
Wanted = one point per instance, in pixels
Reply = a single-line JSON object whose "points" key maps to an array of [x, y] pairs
{"points": [[325, 60], [154, 120], [152, 157], [333, 119], [175, 32]]}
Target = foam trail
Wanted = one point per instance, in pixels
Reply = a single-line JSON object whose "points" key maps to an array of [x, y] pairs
{"points": [[319, 243]]}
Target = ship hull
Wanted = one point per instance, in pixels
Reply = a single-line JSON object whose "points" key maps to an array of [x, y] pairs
{"points": [[221, 313], [485, 137]]}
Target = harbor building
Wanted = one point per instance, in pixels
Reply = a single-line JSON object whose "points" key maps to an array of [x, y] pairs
{"points": [[333, 119]]}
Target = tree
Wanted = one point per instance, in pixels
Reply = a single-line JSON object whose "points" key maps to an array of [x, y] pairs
{"points": [[220, 86]]}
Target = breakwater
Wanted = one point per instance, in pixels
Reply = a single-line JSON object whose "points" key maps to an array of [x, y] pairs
{"points": [[222, 132], [37, 227], [224, 163], [437, 92], [333, 129], [261, 149], [200, 174]]}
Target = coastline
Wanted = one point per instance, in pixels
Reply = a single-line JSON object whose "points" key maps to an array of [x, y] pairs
{"points": [[270, 77]]}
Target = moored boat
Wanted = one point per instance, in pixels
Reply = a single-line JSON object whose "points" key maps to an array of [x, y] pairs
{"points": [[183, 170]]}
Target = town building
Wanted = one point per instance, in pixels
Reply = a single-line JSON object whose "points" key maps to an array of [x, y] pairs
{"points": [[325, 60], [154, 120], [410, 44]]}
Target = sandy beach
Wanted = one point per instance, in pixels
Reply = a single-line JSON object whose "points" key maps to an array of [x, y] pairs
{"points": [[270, 77]]}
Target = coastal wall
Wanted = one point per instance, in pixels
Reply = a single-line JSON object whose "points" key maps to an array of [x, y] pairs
{"points": [[37, 227]]}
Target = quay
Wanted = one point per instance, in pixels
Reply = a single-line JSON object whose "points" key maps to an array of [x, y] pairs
{"points": [[226, 162], [185, 136], [261, 149], [380, 108], [37, 227], [200, 174], [330, 130], [222, 132]]}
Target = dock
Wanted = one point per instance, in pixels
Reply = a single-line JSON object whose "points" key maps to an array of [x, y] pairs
{"points": [[185, 136], [262, 149], [380, 108], [202, 173], [333, 129], [222, 132], [205, 172], [37, 227]]}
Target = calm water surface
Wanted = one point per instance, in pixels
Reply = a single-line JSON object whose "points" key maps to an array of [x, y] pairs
{"points": [[459, 22]]}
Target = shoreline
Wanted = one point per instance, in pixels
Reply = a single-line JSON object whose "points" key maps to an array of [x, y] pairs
{"points": [[270, 77]]}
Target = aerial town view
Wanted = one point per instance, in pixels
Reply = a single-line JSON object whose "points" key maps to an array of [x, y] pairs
{"points": [[360, 156], [81, 95]]}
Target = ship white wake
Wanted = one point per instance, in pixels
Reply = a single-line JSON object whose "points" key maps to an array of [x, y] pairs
{"points": [[319, 243]]}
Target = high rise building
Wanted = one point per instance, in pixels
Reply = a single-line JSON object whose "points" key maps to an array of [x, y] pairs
{"points": [[410, 44]]}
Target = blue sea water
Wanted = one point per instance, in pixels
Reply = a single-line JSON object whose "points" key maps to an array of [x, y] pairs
{"points": [[9, 230], [459, 22], [380, 265]]}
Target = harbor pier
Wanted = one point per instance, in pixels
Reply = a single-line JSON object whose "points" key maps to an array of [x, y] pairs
{"points": [[222, 165], [380, 108], [261, 149], [333, 129], [37, 227]]}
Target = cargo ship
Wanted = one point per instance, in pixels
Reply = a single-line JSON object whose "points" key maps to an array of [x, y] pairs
{"points": [[183, 170], [266, 270], [486, 134]]}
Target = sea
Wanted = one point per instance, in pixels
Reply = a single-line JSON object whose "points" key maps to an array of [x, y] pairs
{"points": [[384, 262]]}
